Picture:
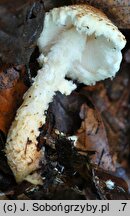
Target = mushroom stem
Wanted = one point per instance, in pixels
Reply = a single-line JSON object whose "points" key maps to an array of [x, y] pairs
{"points": [[21, 146]]}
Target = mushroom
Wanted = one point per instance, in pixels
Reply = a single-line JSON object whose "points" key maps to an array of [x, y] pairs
{"points": [[78, 42]]}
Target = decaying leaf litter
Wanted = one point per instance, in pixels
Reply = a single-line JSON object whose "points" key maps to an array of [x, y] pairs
{"points": [[108, 110]]}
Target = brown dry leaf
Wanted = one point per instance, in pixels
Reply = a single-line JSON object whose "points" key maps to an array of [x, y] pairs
{"points": [[118, 190], [92, 137], [12, 88], [117, 10]]}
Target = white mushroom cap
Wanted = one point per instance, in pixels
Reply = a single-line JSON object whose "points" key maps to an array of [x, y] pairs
{"points": [[79, 42], [101, 56]]}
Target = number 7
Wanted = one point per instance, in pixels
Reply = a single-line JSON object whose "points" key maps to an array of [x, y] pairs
{"points": [[124, 205]]}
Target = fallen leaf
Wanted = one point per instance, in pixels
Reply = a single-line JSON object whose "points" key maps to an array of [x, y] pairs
{"points": [[92, 137], [12, 88], [110, 187]]}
